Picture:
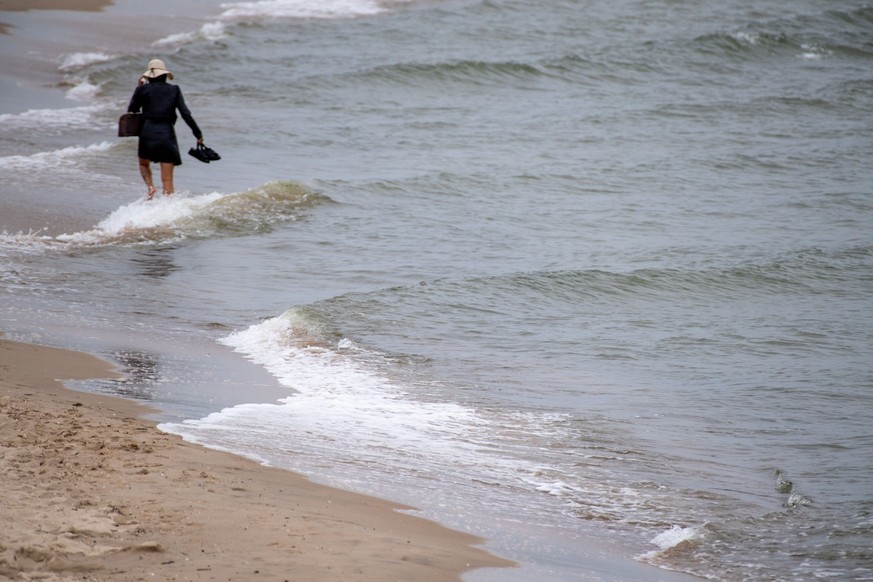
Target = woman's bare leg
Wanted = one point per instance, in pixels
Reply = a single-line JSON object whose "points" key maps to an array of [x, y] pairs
{"points": [[167, 178], [145, 170]]}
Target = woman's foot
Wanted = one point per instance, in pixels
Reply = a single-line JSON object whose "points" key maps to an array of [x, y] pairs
{"points": [[151, 193]]}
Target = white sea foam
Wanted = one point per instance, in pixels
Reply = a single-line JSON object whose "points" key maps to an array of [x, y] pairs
{"points": [[265, 9], [52, 121], [556, 488], [337, 402], [137, 219], [162, 211], [672, 538], [210, 32], [187, 215], [675, 536], [747, 38], [76, 61], [65, 157], [813, 52], [798, 500], [30, 243], [84, 90]]}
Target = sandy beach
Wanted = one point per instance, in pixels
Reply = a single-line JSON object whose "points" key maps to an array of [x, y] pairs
{"points": [[92, 491]]}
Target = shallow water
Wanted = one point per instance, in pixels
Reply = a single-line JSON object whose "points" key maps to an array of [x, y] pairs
{"points": [[550, 273]]}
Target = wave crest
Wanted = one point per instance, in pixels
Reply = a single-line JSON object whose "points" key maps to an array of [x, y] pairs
{"points": [[272, 9], [465, 71], [202, 216]]}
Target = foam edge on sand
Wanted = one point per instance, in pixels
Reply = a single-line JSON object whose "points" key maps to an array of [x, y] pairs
{"points": [[99, 491]]}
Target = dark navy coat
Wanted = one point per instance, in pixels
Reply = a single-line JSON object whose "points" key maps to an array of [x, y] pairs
{"points": [[159, 102]]}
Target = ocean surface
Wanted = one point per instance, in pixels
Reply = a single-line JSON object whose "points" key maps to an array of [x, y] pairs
{"points": [[588, 279]]}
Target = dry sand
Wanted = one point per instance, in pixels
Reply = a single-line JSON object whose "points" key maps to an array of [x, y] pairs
{"points": [[90, 491]]}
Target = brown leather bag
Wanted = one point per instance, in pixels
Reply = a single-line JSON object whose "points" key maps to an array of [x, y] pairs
{"points": [[130, 125]]}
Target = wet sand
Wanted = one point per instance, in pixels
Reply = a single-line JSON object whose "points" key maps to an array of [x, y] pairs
{"points": [[88, 5], [36, 36], [91, 490], [22, 5]]}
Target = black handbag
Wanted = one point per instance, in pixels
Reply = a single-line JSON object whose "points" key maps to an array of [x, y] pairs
{"points": [[130, 125], [204, 154]]}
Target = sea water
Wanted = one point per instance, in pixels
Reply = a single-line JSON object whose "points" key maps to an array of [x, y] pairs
{"points": [[550, 273]]}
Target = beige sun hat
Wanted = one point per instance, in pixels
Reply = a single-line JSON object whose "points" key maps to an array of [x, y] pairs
{"points": [[156, 69]]}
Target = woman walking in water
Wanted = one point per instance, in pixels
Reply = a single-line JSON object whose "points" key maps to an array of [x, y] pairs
{"points": [[159, 101]]}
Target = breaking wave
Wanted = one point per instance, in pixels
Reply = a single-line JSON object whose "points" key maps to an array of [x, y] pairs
{"points": [[186, 216]]}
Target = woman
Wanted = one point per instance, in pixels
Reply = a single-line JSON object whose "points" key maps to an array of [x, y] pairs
{"points": [[159, 101]]}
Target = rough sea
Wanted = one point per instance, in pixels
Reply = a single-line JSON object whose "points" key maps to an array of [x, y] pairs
{"points": [[592, 280]]}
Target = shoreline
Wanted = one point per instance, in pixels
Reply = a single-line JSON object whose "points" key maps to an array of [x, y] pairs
{"points": [[25, 5], [35, 34], [101, 492], [82, 5]]}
